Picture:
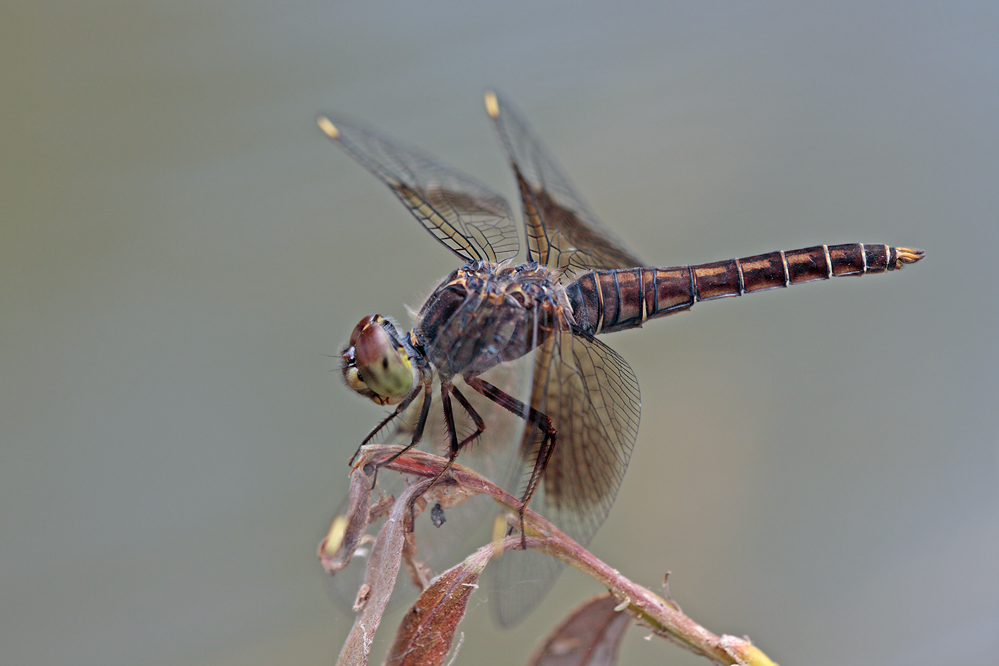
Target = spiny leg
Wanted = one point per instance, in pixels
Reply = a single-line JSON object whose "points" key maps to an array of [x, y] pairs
{"points": [[447, 390], [400, 408], [480, 424], [417, 434], [534, 418]]}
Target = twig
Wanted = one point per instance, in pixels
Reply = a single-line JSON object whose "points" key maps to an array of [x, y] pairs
{"points": [[663, 616]]}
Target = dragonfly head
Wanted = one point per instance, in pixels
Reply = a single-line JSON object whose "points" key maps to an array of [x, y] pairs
{"points": [[376, 363]]}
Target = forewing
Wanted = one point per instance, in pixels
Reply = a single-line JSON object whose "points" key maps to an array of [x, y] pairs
{"points": [[591, 396], [562, 232], [467, 217]]}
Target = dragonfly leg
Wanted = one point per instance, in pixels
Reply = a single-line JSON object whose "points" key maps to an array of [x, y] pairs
{"points": [[417, 434], [447, 390], [400, 408], [480, 425], [534, 418]]}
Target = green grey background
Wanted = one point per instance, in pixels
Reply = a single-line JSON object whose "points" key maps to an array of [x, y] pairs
{"points": [[181, 250]]}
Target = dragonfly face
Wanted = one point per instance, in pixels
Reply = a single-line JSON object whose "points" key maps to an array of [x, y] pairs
{"points": [[496, 339], [376, 363]]}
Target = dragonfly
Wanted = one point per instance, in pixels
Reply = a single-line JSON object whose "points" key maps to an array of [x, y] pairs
{"points": [[574, 401]]}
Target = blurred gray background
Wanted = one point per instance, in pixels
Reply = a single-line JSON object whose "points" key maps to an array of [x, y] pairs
{"points": [[181, 250]]}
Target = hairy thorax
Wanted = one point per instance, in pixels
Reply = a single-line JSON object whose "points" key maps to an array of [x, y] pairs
{"points": [[485, 313]]}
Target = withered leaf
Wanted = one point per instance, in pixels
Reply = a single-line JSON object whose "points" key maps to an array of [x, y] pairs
{"points": [[589, 636], [425, 635], [347, 529], [379, 579]]}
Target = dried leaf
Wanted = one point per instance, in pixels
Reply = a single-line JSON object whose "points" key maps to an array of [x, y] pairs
{"points": [[425, 636], [347, 529], [419, 573], [590, 636], [383, 566]]}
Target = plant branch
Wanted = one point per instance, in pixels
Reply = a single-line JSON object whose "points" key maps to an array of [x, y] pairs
{"points": [[663, 616]]}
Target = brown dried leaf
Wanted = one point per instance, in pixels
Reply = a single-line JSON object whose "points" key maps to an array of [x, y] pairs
{"points": [[347, 529], [425, 636], [589, 636], [379, 579], [419, 573]]}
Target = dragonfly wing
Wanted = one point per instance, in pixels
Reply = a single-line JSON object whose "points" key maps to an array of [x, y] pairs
{"points": [[467, 217], [562, 231], [592, 397]]}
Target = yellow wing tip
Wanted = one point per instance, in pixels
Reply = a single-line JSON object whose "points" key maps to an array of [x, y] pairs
{"points": [[492, 105], [908, 255], [328, 128]]}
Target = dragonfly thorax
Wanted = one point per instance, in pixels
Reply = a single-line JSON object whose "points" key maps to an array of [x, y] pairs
{"points": [[485, 313], [377, 363]]}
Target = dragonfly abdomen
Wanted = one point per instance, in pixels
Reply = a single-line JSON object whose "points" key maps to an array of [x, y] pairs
{"points": [[613, 300]]}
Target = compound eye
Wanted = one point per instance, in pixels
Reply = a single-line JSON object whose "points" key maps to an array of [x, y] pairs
{"points": [[361, 325], [375, 365]]}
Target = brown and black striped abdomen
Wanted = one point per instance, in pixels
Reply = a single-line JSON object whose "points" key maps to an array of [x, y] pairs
{"points": [[613, 300]]}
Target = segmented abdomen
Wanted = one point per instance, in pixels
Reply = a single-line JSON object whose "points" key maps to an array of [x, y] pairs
{"points": [[613, 300]]}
